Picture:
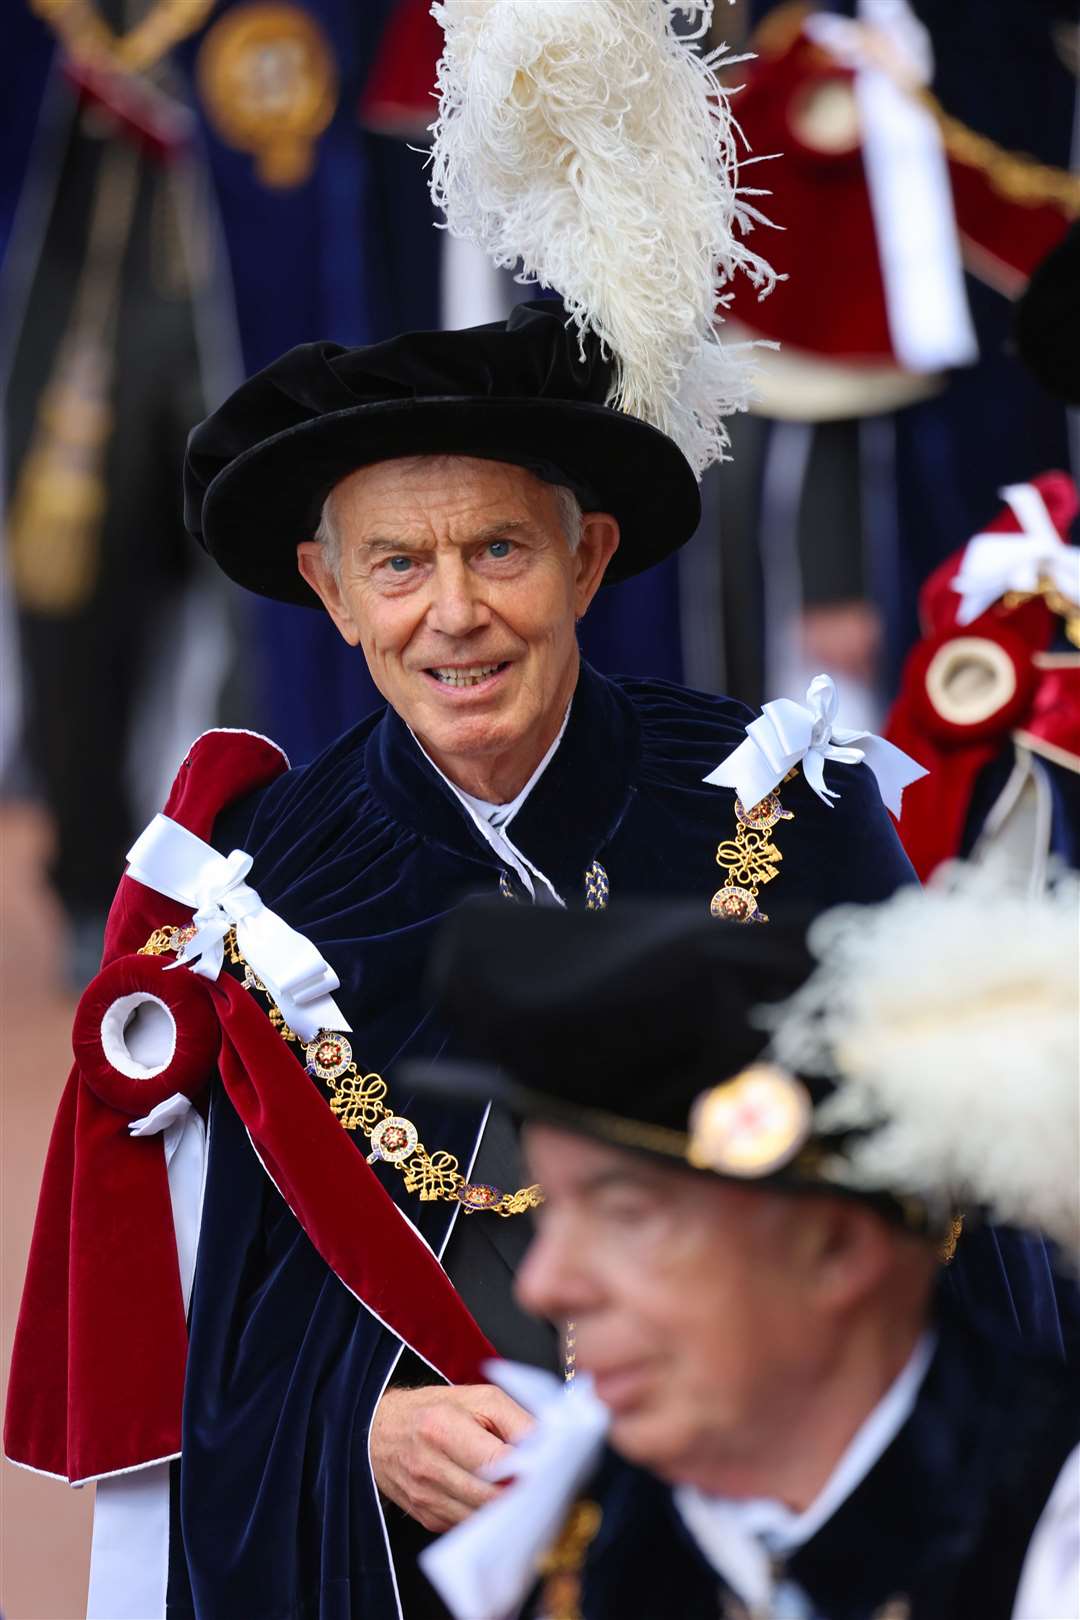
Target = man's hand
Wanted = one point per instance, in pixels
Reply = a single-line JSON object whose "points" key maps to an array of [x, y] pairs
{"points": [[427, 1445]]}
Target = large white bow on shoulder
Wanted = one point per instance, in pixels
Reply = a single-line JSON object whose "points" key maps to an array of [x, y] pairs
{"points": [[175, 862], [994, 564], [787, 733], [484, 1568]]}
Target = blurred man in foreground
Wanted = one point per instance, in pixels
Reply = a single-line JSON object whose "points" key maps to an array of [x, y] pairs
{"points": [[803, 1413]]}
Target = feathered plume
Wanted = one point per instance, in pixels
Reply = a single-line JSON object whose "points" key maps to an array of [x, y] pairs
{"points": [[950, 1018], [588, 145]]}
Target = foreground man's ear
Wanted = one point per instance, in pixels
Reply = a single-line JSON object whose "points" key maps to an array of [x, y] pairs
{"points": [[850, 1252], [599, 543], [314, 566]]}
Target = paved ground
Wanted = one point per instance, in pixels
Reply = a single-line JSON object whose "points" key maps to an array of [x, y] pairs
{"points": [[44, 1525]]}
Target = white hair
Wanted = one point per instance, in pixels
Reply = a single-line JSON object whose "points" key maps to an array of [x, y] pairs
{"points": [[571, 520]]}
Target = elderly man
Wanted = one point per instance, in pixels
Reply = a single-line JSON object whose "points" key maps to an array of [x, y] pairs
{"points": [[809, 1424], [454, 500]]}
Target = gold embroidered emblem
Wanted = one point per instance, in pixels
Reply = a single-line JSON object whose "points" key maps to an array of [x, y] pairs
{"points": [[561, 1566], [267, 77], [749, 859], [358, 1102]]}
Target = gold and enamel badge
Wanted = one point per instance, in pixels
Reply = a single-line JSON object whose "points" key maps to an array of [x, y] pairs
{"points": [[393, 1139], [269, 83], [328, 1056], [750, 1125], [749, 860]]}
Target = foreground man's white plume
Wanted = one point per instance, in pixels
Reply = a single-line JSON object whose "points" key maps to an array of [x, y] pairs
{"points": [[950, 1018], [587, 145]]}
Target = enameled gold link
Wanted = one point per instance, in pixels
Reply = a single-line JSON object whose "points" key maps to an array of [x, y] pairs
{"points": [[359, 1102]]}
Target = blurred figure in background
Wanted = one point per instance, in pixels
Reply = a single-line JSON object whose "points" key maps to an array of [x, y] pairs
{"points": [[911, 217], [117, 338]]}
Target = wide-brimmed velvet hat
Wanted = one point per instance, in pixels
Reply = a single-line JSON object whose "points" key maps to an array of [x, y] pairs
{"points": [[525, 391], [642, 1028]]}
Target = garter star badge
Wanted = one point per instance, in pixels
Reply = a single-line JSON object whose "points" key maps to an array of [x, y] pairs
{"points": [[269, 83], [750, 1125]]}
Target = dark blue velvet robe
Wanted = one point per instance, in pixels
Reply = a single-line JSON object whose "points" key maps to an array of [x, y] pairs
{"points": [[941, 1523], [364, 851]]}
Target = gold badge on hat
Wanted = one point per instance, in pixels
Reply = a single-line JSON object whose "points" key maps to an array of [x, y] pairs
{"points": [[268, 80], [750, 1125]]}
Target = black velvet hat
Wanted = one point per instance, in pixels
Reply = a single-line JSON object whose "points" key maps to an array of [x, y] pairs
{"points": [[645, 1028], [520, 391]]}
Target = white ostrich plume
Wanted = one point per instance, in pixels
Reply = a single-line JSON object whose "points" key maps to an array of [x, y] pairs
{"points": [[587, 145], [950, 1019]]}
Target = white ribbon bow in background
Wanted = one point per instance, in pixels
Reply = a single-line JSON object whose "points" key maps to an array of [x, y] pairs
{"points": [[484, 1568], [994, 564], [907, 178], [172, 860], [786, 734]]}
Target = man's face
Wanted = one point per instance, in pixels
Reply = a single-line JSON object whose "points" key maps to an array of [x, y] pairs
{"points": [[457, 580], [691, 1302]]}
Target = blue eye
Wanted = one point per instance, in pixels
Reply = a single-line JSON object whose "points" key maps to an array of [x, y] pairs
{"points": [[500, 548], [399, 565]]}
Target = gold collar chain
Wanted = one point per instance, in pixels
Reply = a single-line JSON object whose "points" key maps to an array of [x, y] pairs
{"points": [[358, 1102]]}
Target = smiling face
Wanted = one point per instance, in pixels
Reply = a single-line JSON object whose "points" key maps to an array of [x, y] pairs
{"points": [[457, 580], [713, 1316]]}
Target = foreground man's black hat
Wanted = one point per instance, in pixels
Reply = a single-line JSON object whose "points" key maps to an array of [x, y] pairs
{"points": [[644, 1028], [912, 1053]]}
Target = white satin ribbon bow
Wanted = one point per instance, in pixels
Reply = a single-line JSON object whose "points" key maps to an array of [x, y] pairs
{"points": [[786, 734], [172, 860], [994, 564], [484, 1568], [907, 179]]}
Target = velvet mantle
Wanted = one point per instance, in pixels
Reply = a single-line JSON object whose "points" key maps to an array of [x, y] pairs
{"points": [[98, 1363], [363, 851]]}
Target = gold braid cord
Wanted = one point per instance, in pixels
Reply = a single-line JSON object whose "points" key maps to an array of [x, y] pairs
{"points": [[749, 859], [1013, 175], [563, 1563], [1048, 591], [359, 1102]]}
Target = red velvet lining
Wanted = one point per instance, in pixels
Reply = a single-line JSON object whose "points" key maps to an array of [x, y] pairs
{"points": [[1045, 705], [198, 1034], [97, 1368]]}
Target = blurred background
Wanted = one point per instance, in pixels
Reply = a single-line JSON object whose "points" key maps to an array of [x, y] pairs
{"points": [[189, 187]]}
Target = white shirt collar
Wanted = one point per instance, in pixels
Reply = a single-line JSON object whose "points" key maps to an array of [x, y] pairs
{"points": [[501, 815], [742, 1538], [492, 820]]}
